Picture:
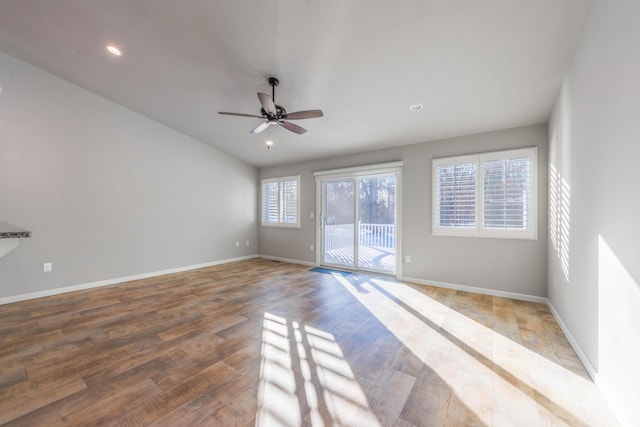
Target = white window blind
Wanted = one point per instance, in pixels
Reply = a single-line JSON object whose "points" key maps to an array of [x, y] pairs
{"points": [[488, 195], [270, 198], [456, 201], [507, 196], [280, 201], [289, 201]]}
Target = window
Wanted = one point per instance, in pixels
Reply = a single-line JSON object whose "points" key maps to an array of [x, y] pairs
{"points": [[486, 195], [281, 201]]}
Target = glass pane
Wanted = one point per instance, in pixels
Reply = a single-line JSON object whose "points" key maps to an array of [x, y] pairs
{"points": [[270, 202], [289, 202], [456, 195], [507, 193], [339, 216], [377, 223]]}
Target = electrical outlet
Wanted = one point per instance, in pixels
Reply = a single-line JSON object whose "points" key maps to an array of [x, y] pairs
{"points": [[407, 258], [247, 243], [311, 215], [237, 244], [311, 248], [47, 267]]}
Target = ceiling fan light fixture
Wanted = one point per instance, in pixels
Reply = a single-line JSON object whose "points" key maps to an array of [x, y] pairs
{"points": [[114, 50], [415, 107], [269, 141]]}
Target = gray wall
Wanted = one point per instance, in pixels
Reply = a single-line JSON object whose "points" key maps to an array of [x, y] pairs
{"points": [[594, 244], [106, 192], [498, 264]]}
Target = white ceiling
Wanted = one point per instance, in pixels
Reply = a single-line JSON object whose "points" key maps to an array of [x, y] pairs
{"points": [[476, 65]]}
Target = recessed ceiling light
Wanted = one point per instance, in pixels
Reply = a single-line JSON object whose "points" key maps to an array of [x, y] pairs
{"points": [[415, 107], [114, 50]]}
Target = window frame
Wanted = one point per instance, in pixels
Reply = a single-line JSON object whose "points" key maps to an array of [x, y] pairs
{"points": [[280, 222], [479, 230]]}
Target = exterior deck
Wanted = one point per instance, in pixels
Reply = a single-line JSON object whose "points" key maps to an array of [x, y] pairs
{"points": [[376, 246]]}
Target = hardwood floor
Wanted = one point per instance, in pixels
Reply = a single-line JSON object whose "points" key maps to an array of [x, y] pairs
{"points": [[268, 343]]}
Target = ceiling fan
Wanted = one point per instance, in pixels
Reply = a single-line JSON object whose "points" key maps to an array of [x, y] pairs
{"points": [[274, 114]]}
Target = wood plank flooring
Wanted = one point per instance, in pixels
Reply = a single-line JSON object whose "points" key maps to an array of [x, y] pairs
{"points": [[260, 342]]}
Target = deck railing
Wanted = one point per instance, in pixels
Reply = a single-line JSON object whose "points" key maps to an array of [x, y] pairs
{"points": [[373, 235]]}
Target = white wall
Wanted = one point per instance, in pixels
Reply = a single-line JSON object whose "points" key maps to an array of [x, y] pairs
{"points": [[107, 192], [594, 244], [517, 266]]}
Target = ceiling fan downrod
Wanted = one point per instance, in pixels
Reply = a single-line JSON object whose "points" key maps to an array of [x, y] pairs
{"points": [[273, 82]]}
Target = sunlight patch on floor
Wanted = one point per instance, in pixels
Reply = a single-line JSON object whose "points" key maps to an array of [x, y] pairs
{"points": [[543, 388], [418, 336], [303, 370]]}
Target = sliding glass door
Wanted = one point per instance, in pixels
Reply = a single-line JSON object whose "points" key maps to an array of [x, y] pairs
{"points": [[338, 244], [377, 223], [358, 222]]}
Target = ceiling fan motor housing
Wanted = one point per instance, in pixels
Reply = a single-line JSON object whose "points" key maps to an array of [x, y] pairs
{"points": [[280, 111]]}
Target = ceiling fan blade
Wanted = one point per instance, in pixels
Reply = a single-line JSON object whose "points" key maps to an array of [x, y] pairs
{"points": [[293, 128], [267, 104], [307, 114], [260, 127], [240, 115]]}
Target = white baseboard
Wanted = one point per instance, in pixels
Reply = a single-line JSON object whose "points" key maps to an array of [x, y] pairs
{"points": [[583, 357], [82, 286], [289, 260], [477, 290]]}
